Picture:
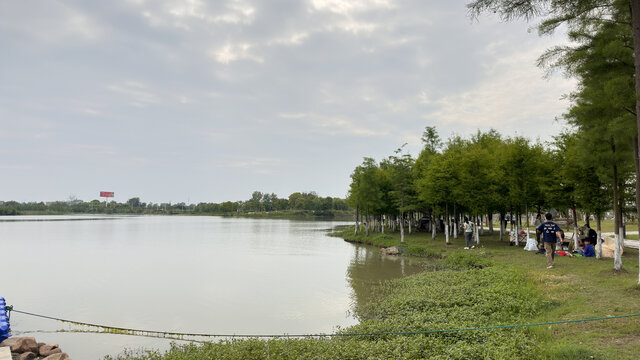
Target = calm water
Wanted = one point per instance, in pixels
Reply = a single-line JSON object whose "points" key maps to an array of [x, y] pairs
{"points": [[183, 274]]}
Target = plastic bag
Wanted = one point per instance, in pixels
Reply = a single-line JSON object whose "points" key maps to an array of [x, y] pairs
{"points": [[532, 245]]}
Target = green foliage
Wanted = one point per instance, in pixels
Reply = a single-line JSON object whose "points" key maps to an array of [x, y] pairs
{"points": [[420, 251], [469, 259], [570, 352]]}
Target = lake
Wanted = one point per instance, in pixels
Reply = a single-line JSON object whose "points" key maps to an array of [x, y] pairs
{"points": [[196, 274]]}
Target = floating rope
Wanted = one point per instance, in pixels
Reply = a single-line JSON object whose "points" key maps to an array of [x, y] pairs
{"points": [[171, 334]]}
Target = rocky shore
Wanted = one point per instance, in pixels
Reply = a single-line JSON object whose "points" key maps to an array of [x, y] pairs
{"points": [[27, 348]]}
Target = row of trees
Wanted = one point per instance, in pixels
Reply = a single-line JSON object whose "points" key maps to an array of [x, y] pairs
{"points": [[131, 206], [605, 114], [489, 174], [264, 202], [259, 202]]}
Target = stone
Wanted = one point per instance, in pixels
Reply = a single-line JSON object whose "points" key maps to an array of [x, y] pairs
{"points": [[8, 342], [27, 356], [24, 344], [58, 356], [391, 250], [49, 349]]}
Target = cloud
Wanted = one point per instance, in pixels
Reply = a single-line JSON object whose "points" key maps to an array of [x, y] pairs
{"points": [[334, 125], [515, 97], [138, 94], [235, 52], [350, 7], [255, 87]]}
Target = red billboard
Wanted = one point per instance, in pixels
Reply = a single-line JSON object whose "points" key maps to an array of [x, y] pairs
{"points": [[106, 193]]}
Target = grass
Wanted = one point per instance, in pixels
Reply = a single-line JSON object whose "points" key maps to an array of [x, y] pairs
{"points": [[578, 288], [494, 284]]}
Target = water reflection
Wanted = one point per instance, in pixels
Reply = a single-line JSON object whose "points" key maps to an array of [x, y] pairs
{"points": [[369, 269]]}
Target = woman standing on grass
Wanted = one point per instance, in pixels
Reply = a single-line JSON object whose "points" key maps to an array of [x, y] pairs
{"points": [[468, 233]]}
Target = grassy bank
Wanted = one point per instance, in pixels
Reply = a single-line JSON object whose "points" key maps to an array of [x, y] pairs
{"points": [[496, 284]]}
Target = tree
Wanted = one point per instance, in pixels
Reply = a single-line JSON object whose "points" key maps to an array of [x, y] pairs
{"points": [[134, 202], [398, 171], [588, 17]]}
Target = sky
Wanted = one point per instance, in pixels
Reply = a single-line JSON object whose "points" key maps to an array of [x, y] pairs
{"points": [[207, 101]]}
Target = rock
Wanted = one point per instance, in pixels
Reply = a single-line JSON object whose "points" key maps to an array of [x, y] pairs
{"points": [[24, 344], [49, 349], [8, 342], [27, 356], [58, 356], [392, 250]]}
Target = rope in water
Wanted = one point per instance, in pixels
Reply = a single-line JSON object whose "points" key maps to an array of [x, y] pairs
{"points": [[171, 333]]}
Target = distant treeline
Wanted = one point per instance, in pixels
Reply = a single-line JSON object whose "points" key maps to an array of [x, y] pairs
{"points": [[258, 203]]}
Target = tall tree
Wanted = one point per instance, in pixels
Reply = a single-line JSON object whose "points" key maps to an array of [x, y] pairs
{"points": [[584, 16]]}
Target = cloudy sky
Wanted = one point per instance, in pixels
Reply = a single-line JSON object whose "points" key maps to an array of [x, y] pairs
{"points": [[194, 100]]}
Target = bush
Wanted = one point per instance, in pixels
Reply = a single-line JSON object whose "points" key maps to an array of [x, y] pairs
{"points": [[467, 260], [422, 252]]}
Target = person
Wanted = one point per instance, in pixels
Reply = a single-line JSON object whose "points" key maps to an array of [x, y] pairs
{"points": [[589, 250], [468, 233], [551, 232], [536, 224], [592, 235]]}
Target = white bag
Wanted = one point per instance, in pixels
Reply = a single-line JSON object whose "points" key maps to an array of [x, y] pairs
{"points": [[532, 245]]}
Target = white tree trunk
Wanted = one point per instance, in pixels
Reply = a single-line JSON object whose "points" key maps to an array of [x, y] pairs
{"points": [[382, 224], [517, 234], [355, 231], [617, 251], [410, 221], [402, 228], [477, 232], [455, 229], [433, 226], [446, 232], [575, 228]]}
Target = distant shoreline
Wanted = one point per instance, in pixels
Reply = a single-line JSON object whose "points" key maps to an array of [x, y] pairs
{"points": [[335, 215]]}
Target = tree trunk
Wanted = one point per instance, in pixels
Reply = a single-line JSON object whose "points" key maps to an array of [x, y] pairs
{"points": [[617, 257], [517, 228], [382, 223], [356, 227], [526, 206], [502, 226], [635, 22], [366, 222], [599, 240], [477, 231], [446, 223], [401, 227], [490, 216], [455, 222], [617, 251], [410, 221], [433, 224], [575, 227]]}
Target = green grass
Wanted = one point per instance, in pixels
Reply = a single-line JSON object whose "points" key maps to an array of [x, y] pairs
{"points": [[492, 285]]}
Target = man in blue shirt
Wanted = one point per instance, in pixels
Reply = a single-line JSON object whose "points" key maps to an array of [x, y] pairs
{"points": [[550, 232]]}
